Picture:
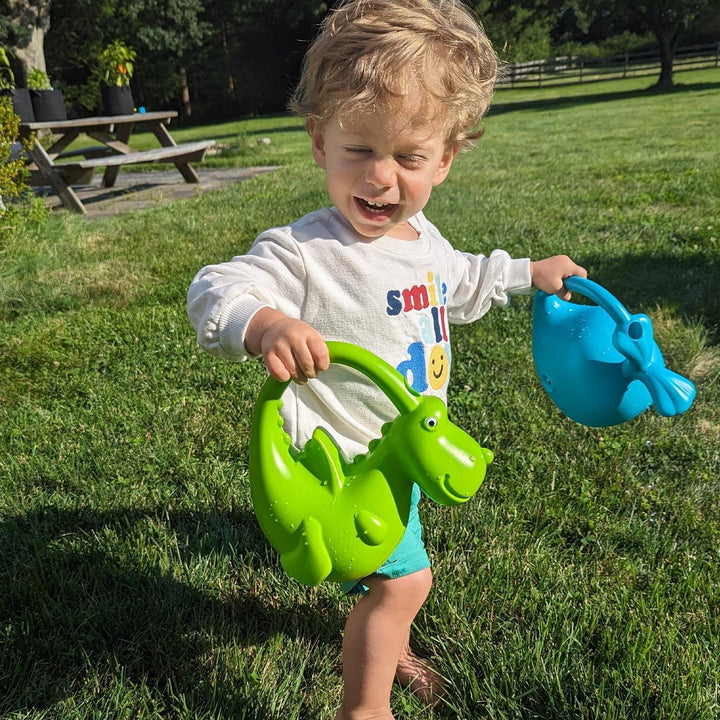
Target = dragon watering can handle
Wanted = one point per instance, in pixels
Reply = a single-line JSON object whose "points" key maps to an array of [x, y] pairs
{"points": [[402, 396], [374, 368], [671, 393]]}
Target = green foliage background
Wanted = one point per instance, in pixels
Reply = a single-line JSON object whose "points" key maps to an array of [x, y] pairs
{"points": [[242, 57]]}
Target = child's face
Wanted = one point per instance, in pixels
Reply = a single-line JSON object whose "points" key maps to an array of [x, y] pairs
{"points": [[381, 170]]}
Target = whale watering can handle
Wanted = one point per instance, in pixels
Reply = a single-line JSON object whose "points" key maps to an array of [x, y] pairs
{"points": [[671, 393], [598, 294]]}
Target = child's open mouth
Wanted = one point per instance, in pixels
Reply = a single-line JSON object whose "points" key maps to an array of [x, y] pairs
{"points": [[375, 208]]}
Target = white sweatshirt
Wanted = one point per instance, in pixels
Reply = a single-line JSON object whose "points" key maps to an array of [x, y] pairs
{"points": [[396, 298]]}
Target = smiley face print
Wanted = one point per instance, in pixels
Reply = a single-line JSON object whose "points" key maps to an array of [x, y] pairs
{"points": [[438, 367]]}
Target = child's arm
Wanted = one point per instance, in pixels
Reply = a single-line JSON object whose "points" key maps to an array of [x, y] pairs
{"points": [[291, 349], [548, 274]]}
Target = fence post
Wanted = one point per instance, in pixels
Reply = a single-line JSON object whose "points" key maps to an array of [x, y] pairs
{"points": [[625, 65], [717, 53]]}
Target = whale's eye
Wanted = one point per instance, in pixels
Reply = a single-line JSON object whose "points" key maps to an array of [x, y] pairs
{"points": [[430, 422]]}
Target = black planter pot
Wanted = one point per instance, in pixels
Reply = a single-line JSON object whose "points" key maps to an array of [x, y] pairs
{"points": [[22, 104], [117, 100], [48, 105]]}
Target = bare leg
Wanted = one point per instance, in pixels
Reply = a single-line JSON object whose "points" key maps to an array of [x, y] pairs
{"points": [[376, 634]]}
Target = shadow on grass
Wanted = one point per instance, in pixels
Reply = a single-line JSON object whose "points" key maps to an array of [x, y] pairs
{"points": [[568, 101], [642, 282], [66, 610]]}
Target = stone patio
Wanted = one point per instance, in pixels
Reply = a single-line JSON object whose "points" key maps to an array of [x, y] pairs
{"points": [[141, 190]]}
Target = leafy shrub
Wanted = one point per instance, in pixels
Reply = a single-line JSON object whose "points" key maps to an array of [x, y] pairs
{"points": [[7, 78], [616, 45], [15, 197], [38, 79]]}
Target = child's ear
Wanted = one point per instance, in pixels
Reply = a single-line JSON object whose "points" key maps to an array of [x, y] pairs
{"points": [[317, 136], [444, 168]]}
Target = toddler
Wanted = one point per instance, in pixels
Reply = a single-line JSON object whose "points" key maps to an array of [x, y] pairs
{"points": [[391, 91]]}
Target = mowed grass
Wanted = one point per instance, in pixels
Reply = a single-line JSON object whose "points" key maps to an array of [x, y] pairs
{"points": [[583, 581]]}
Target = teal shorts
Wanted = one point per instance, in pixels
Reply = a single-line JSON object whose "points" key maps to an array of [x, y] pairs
{"points": [[408, 557]]}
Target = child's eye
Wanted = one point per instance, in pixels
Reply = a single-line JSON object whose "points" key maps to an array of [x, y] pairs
{"points": [[411, 160], [357, 150]]}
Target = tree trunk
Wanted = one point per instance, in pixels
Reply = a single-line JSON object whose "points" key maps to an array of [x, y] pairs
{"points": [[35, 16], [185, 95], [667, 55], [31, 55]]}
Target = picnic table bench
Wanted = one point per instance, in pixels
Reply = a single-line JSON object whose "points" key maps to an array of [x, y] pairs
{"points": [[55, 167]]}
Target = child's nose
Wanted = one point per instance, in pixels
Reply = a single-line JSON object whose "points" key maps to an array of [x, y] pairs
{"points": [[380, 172]]}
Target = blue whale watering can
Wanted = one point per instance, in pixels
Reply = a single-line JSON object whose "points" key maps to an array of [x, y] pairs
{"points": [[598, 363]]}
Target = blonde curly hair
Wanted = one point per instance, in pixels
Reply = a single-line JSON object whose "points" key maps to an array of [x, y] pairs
{"points": [[371, 53]]}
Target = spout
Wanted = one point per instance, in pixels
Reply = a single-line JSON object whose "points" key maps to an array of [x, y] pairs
{"points": [[672, 394]]}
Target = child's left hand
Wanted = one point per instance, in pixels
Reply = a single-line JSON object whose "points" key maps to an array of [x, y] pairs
{"points": [[548, 274]]}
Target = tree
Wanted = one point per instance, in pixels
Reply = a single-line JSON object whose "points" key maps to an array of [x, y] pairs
{"points": [[166, 33], [230, 57], [520, 31], [666, 19], [252, 59], [523, 22], [23, 29]]}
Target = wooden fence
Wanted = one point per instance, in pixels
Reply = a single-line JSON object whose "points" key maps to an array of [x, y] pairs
{"points": [[570, 70]]}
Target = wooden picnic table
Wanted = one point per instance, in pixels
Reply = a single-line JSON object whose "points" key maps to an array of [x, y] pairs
{"points": [[53, 167]]}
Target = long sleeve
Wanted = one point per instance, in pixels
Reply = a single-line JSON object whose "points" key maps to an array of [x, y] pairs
{"points": [[222, 299], [482, 282]]}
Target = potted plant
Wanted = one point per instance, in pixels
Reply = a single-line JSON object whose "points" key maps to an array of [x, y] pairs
{"points": [[47, 102], [117, 62], [22, 105]]}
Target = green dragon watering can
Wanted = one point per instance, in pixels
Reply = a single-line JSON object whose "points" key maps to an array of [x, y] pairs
{"points": [[336, 520]]}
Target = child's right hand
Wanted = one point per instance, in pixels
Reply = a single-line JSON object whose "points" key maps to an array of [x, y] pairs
{"points": [[291, 349]]}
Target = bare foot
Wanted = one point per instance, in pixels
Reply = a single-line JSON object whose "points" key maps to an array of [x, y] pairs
{"points": [[418, 675]]}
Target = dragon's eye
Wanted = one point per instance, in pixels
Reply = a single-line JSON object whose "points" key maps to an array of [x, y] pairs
{"points": [[430, 422]]}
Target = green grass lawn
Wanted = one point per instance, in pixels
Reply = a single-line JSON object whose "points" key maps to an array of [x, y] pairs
{"points": [[582, 582]]}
